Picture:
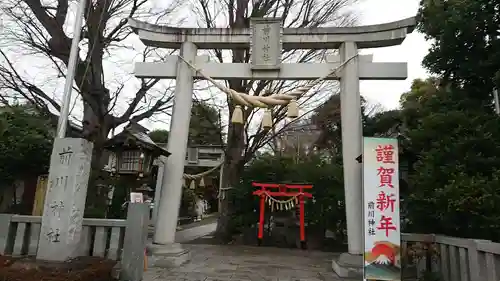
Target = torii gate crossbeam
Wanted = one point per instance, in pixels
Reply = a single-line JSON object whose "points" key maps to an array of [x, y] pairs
{"points": [[368, 36]]}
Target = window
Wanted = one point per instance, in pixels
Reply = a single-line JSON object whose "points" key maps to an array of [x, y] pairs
{"points": [[130, 161]]}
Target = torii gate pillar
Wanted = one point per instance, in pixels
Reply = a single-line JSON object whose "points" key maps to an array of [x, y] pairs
{"points": [[352, 135], [267, 66], [167, 253]]}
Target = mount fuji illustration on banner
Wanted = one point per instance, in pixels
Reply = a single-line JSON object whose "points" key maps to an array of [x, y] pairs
{"points": [[383, 262]]}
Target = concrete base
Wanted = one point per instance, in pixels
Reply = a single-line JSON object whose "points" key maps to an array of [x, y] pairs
{"points": [[116, 271], [167, 256], [348, 266]]}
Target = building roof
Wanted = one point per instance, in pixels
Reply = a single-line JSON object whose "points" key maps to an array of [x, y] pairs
{"points": [[137, 133]]}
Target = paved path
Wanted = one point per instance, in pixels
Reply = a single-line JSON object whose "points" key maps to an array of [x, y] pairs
{"points": [[242, 263], [193, 233]]}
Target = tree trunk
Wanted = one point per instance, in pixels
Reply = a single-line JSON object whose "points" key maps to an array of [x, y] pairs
{"points": [[28, 198], [6, 197], [233, 166], [234, 162], [96, 130]]}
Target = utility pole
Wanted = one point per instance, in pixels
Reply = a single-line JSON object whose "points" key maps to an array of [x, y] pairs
{"points": [[62, 124], [497, 102]]}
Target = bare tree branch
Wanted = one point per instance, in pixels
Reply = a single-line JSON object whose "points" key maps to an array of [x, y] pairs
{"points": [[36, 30], [304, 13]]}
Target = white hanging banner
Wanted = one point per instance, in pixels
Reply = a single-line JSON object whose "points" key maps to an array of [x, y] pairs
{"points": [[382, 234], [136, 197]]}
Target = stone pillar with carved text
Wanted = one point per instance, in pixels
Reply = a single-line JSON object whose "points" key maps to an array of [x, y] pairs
{"points": [[65, 200]]}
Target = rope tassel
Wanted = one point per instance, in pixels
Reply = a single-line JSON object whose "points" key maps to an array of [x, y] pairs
{"points": [[267, 120], [237, 117], [293, 109]]}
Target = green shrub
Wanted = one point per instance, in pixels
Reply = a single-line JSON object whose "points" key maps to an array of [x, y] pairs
{"points": [[325, 211]]}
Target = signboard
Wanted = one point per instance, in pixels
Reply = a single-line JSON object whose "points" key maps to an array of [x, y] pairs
{"points": [[382, 234], [266, 43], [136, 197]]}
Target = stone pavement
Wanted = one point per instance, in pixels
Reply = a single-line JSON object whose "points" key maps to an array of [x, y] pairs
{"points": [[243, 263], [193, 233]]}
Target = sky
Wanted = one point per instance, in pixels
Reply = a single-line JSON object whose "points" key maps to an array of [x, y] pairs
{"points": [[412, 51]]}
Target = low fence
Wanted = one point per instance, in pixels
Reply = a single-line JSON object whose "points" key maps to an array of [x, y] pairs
{"points": [[452, 259], [120, 240]]}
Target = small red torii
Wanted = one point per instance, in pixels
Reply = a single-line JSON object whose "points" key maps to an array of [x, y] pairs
{"points": [[295, 191]]}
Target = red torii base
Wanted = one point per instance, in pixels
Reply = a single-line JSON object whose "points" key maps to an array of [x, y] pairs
{"points": [[283, 190]]}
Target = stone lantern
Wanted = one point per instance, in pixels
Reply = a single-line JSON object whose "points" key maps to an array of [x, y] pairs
{"points": [[132, 152]]}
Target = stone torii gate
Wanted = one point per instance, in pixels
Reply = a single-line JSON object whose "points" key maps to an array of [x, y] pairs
{"points": [[267, 38]]}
